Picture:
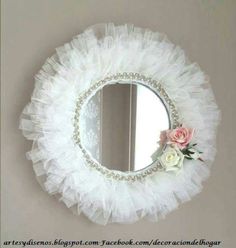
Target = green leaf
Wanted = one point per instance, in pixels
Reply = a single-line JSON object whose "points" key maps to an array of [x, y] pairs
{"points": [[191, 152], [189, 158]]}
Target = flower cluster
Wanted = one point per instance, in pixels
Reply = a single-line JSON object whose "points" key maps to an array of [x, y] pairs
{"points": [[178, 147]]}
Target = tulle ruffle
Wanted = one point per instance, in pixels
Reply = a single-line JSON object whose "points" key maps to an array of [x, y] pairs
{"points": [[100, 51]]}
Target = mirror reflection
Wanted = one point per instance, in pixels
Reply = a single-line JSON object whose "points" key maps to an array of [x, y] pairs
{"points": [[121, 124]]}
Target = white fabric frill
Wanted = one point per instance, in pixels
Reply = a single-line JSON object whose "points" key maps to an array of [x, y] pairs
{"points": [[103, 50]]}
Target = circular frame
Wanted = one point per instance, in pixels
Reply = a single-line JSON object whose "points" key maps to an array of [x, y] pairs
{"points": [[155, 86]]}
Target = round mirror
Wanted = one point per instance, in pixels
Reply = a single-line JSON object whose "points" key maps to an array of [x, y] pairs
{"points": [[121, 126]]}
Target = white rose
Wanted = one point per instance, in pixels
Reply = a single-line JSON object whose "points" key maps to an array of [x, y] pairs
{"points": [[171, 159]]}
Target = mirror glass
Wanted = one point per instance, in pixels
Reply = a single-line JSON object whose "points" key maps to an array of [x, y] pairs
{"points": [[121, 124]]}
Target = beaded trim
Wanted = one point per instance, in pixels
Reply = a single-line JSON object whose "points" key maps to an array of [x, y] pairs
{"points": [[123, 77]]}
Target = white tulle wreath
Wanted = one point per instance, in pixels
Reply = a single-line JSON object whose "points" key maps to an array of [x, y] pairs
{"points": [[97, 53]]}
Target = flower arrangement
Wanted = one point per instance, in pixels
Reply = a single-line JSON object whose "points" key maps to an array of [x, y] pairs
{"points": [[178, 147]]}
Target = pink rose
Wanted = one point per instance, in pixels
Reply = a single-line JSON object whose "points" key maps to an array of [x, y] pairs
{"points": [[180, 137]]}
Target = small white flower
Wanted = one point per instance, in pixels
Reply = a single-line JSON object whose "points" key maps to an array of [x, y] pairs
{"points": [[194, 154], [172, 159]]}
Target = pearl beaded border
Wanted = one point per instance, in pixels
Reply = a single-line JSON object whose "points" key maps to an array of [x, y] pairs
{"points": [[123, 77]]}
